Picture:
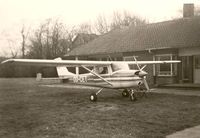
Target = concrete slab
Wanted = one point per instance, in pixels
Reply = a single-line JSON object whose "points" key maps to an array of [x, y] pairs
{"points": [[182, 85], [193, 132], [188, 92]]}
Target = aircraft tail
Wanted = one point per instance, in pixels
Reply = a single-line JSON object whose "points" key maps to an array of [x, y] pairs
{"points": [[63, 71]]}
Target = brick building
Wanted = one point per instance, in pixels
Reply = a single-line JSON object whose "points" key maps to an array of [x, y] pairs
{"points": [[168, 40]]}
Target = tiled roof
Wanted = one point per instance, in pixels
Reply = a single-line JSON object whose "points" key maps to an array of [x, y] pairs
{"points": [[183, 32]]}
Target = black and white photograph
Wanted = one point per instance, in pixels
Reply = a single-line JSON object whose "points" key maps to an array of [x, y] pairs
{"points": [[99, 69]]}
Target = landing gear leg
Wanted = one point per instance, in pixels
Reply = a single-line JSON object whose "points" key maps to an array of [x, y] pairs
{"points": [[93, 96], [132, 95], [144, 94], [143, 91]]}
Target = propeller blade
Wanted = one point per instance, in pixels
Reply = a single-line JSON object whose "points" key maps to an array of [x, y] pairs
{"points": [[145, 83], [136, 63], [143, 67]]}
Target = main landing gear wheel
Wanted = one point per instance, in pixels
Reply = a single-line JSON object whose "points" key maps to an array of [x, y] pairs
{"points": [[93, 97], [125, 93]]}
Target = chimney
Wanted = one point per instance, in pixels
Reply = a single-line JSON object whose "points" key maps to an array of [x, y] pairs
{"points": [[188, 10]]}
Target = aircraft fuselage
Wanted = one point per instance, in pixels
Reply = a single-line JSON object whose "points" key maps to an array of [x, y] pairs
{"points": [[116, 81]]}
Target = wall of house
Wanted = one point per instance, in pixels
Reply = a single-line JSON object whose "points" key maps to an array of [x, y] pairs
{"points": [[161, 80]]}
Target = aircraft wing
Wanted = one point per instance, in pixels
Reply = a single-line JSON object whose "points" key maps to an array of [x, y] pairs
{"points": [[153, 62], [55, 63], [72, 63]]}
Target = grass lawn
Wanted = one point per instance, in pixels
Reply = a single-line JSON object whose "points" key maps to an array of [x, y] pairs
{"points": [[28, 110]]}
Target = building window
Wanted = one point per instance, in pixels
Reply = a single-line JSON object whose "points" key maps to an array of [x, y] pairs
{"points": [[165, 69]]}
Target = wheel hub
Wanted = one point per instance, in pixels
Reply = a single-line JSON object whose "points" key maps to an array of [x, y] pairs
{"points": [[92, 97]]}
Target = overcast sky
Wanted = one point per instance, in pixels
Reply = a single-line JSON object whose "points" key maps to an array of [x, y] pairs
{"points": [[15, 13]]}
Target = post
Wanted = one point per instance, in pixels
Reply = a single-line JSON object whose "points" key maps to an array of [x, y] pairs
{"points": [[77, 68]]}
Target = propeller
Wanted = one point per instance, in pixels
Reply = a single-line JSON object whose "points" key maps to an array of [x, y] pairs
{"points": [[142, 74], [143, 67], [140, 69], [145, 83]]}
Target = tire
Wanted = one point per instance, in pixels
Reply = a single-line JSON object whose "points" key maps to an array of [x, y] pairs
{"points": [[125, 93], [93, 97]]}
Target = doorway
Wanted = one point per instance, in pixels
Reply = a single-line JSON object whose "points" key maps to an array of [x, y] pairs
{"points": [[187, 69], [197, 69]]}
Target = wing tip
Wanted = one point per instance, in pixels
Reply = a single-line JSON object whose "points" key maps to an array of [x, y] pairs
{"points": [[7, 61]]}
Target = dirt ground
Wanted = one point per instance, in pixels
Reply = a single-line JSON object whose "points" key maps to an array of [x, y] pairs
{"points": [[30, 110]]}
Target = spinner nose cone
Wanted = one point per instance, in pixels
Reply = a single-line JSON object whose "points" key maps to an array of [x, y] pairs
{"points": [[142, 73]]}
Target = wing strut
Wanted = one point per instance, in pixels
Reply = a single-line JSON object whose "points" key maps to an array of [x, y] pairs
{"points": [[96, 75]]}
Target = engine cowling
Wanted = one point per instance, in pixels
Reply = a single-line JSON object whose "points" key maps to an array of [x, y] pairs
{"points": [[124, 73]]}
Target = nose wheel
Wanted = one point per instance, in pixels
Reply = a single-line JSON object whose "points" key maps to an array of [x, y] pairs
{"points": [[132, 95], [93, 97]]}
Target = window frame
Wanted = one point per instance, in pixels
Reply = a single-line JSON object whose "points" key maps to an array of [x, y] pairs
{"points": [[197, 61], [156, 68], [132, 67]]}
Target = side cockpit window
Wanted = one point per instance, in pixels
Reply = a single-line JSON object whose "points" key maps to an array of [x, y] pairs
{"points": [[101, 70]]}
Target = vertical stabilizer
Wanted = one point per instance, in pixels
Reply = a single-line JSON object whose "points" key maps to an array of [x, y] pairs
{"points": [[63, 71]]}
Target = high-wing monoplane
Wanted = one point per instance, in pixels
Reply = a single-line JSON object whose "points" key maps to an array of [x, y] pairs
{"points": [[102, 74]]}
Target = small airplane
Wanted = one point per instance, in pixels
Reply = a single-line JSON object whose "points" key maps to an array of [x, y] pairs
{"points": [[101, 74]]}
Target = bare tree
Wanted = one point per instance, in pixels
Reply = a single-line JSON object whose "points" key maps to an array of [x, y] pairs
{"points": [[130, 19], [50, 40], [24, 34], [13, 50], [71, 35], [36, 46], [85, 28], [101, 25], [53, 38], [118, 20], [125, 19]]}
